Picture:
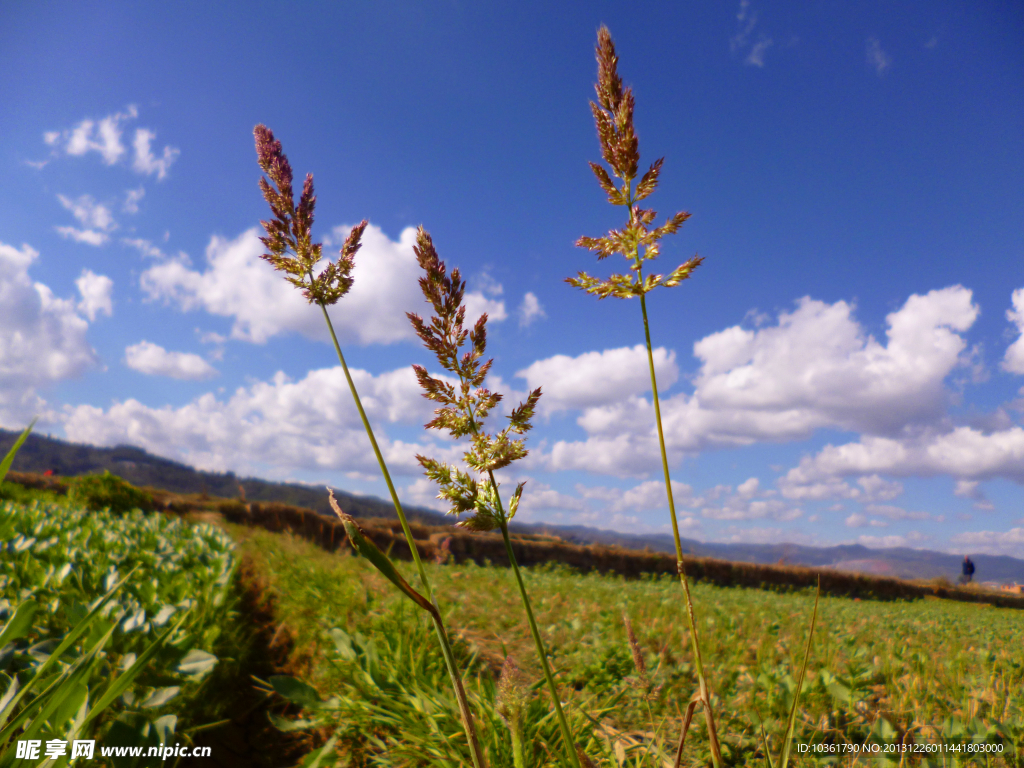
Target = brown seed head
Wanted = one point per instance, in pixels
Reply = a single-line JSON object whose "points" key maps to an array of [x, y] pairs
{"points": [[609, 84], [465, 406], [636, 651], [289, 243], [637, 241], [511, 697]]}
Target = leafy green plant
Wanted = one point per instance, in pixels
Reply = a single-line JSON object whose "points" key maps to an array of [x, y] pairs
{"points": [[107, 491], [462, 413], [292, 251], [63, 557], [80, 638], [60, 699]]}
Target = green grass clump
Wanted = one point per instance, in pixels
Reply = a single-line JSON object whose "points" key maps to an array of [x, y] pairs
{"points": [[107, 491], [18, 493]]}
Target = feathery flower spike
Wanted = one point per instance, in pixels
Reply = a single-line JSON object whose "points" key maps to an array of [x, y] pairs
{"points": [[637, 241], [462, 413], [289, 232]]}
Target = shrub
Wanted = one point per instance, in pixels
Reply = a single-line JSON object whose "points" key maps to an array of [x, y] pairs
{"points": [[107, 491]]}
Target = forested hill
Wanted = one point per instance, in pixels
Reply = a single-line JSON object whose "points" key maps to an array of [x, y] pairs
{"points": [[41, 453]]}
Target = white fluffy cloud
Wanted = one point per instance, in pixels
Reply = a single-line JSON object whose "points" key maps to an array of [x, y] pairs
{"points": [[896, 513], [971, 489], [145, 161], [273, 426], [912, 539], [964, 453], [530, 310], [237, 283], [1013, 361], [816, 368], [147, 249], [598, 378], [748, 502], [95, 218], [42, 338], [153, 360], [747, 20], [873, 488], [877, 59], [87, 236], [540, 497], [95, 291], [132, 198], [758, 50], [104, 137], [1009, 542], [646, 496]]}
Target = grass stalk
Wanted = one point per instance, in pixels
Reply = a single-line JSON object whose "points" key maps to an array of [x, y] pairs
{"points": [[538, 641], [439, 628], [613, 116], [292, 251], [462, 414], [380, 459], [705, 695], [787, 743]]}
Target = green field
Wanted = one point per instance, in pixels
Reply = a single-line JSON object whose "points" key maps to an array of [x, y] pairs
{"points": [[926, 672], [930, 674]]}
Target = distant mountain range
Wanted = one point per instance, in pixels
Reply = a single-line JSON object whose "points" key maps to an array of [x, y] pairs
{"points": [[900, 562], [41, 453]]}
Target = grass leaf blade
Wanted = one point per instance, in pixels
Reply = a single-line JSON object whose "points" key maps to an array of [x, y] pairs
{"points": [[5, 465], [791, 724]]}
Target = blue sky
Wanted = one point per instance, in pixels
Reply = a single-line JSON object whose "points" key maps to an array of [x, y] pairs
{"points": [[845, 366]]}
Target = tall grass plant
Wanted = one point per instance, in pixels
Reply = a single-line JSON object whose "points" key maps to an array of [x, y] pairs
{"points": [[639, 242], [464, 408], [291, 250]]}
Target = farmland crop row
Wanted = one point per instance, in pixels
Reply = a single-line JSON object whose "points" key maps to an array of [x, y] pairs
{"points": [[59, 560]]}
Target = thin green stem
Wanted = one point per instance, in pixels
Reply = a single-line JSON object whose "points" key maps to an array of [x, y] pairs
{"points": [[442, 635], [518, 747], [380, 460], [570, 745], [705, 695]]}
